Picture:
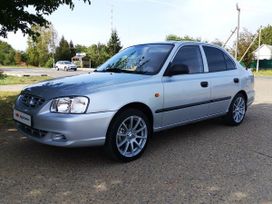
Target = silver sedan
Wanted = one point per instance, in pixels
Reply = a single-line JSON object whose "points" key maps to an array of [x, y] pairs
{"points": [[143, 89]]}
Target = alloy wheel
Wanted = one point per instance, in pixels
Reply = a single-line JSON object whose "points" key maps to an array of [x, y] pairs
{"points": [[131, 136], [239, 109]]}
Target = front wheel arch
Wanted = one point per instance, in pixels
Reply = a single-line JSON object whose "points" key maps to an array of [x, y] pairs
{"points": [[111, 147], [138, 106]]}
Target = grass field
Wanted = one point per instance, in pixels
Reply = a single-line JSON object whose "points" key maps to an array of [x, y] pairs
{"points": [[10, 80], [17, 66], [7, 100], [263, 73]]}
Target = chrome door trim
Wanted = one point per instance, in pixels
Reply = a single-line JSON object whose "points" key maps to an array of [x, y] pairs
{"points": [[192, 104]]}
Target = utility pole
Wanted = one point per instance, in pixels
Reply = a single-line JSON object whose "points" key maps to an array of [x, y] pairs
{"points": [[258, 56], [238, 31], [232, 32], [111, 17]]}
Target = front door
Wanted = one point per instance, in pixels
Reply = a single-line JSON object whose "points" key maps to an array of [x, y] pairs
{"points": [[186, 94]]}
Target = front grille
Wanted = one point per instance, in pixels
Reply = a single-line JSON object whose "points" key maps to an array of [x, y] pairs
{"points": [[31, 131], [31, 100]]}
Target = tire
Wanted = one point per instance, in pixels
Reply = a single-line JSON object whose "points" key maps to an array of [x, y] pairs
{"points": [[122, 143], [65, 69], [237, 110]]}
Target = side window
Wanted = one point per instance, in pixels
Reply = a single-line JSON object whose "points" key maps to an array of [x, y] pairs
{"points": [[229, 62], [218, 60], [215, 58], [190, 57]]}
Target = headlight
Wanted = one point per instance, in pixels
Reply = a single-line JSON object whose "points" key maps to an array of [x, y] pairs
{"points": [[77, 104]]}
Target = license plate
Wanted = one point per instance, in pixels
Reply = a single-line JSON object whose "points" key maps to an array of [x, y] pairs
{"points": [[22, 117]]}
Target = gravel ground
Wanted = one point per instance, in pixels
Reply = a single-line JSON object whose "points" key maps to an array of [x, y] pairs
{"points": [[206, 162]]}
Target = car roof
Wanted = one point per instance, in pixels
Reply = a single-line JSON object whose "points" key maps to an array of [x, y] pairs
{"points": [[178, 43]]}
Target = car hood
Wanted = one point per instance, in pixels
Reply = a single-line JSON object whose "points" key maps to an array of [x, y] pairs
{"points": [[80, 84]]}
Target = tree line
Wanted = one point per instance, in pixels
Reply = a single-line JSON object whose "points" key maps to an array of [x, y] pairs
{"points": [[44, 49]]}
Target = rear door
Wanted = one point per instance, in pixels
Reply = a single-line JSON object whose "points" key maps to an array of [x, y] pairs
{"points": [[186, 96], [224, 78]]}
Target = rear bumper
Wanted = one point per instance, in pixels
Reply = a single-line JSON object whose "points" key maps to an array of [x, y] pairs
{"points": [[75, 130]]}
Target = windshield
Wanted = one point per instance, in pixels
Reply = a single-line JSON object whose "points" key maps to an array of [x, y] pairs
{"points": [[67, 62], [138, 59]]}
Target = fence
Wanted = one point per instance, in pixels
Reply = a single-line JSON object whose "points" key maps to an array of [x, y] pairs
{"points": [[263, 64]]}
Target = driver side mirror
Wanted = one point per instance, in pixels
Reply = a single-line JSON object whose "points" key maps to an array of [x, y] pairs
{"points": [[177, 69]]}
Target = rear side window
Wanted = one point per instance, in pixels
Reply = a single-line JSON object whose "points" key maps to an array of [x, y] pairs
{"points": [[190, 56], [229, 62], [218, 60]]}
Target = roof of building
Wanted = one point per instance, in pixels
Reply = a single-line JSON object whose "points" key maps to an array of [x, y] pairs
{"points": [[264, 45]]}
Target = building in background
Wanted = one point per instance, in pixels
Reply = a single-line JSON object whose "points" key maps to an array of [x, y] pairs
{"points": [[81, 60], [264, 54]]}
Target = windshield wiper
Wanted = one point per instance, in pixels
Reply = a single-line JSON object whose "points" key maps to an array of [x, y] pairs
{"points": [[115, 70]]}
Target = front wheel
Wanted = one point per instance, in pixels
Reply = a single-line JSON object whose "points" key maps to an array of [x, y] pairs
{"points": [[128, 135], [237, 110]]}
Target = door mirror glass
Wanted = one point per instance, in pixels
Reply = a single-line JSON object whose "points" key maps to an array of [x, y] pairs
{"points": [[177, 69]]}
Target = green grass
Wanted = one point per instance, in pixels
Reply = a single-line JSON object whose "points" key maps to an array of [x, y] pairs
{"points": [[11, 80], [263, 73], [7, 100]]}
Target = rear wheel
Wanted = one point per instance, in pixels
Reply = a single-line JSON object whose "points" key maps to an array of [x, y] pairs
{"points": [[128, 135], [237, 110]]}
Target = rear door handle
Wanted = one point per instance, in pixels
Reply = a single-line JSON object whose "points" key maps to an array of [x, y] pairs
{"points": [[204, 84], [236, 80]]}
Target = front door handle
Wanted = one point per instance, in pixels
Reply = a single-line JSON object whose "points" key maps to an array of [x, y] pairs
{"points": [[236, 80], [204, 84]]}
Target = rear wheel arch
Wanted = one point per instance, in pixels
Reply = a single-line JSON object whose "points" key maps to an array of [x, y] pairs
{"points": [[244, 94]]}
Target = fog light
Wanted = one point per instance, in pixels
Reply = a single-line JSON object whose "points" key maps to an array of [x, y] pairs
{"points": [[58, 137]]}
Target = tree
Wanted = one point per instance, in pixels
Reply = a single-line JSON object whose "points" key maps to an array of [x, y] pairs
{"points": [[114, 43], [40, 48], [15, 15], [17, 58], [63, 50], [81, 48], [245, 40], [173, 37], [7, 54], [72, 49], [266, 36], [217, 42], [98, 53]]}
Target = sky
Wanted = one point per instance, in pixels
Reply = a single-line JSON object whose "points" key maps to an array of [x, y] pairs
{"points": [[141, 21]]}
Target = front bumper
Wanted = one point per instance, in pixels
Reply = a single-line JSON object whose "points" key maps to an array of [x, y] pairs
{"points": [[78, 129]]}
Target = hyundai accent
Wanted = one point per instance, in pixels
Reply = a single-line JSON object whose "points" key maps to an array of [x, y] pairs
{"points": [[143, 89]]}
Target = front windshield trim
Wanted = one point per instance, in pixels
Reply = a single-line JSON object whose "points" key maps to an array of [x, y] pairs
{"points": [[118, 70]]}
